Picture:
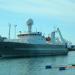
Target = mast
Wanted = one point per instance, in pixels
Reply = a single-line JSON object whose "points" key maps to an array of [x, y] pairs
{"points": [[15, 31], [53, 37], [9, 31]]}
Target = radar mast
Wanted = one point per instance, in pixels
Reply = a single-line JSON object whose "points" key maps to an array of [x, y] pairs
{"points": [[29, 24]]}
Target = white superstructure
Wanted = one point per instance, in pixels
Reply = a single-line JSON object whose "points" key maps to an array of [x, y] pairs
{"points": [[29, 37], [32, 38]]}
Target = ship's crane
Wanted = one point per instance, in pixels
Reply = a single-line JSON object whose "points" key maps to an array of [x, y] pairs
{"points": [[53, 38], [62, 39]]}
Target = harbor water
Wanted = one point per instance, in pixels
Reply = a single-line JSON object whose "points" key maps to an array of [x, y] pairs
{"points": [[37, 65]]}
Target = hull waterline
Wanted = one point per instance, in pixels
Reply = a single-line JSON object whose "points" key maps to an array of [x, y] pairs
{"points": [[12, 49]]}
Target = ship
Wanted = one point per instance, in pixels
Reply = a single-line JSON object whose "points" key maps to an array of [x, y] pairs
{"points": [[30, 44]]}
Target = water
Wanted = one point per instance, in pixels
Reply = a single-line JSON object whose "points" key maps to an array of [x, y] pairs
{"points": [[36, 66]]}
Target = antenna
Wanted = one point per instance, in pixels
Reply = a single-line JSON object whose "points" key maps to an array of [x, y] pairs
{"points": [[9, 30], [20, 32], [36, 29], [55, 27], [29, 24], [15, 30]]}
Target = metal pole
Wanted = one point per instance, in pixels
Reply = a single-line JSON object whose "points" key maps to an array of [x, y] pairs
{"points": [[9, 31], [15, 31]]}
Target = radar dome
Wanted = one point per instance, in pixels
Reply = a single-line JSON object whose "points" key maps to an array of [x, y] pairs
{"points": [[29, 22]]}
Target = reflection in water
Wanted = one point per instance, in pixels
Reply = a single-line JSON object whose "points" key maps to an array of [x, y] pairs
{"points": [[36, 65]]}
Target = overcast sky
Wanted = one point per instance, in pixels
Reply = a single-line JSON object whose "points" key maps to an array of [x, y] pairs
{"points": [[46, 14]]}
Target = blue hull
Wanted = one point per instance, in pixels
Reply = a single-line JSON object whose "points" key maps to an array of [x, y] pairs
{"points": [[23, 49]]}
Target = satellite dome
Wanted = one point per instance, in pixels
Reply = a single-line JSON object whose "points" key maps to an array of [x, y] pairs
{"points": [[29, 22]]}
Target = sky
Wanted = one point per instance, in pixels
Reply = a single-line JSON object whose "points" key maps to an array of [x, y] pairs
{"points": [[46, 14]]}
